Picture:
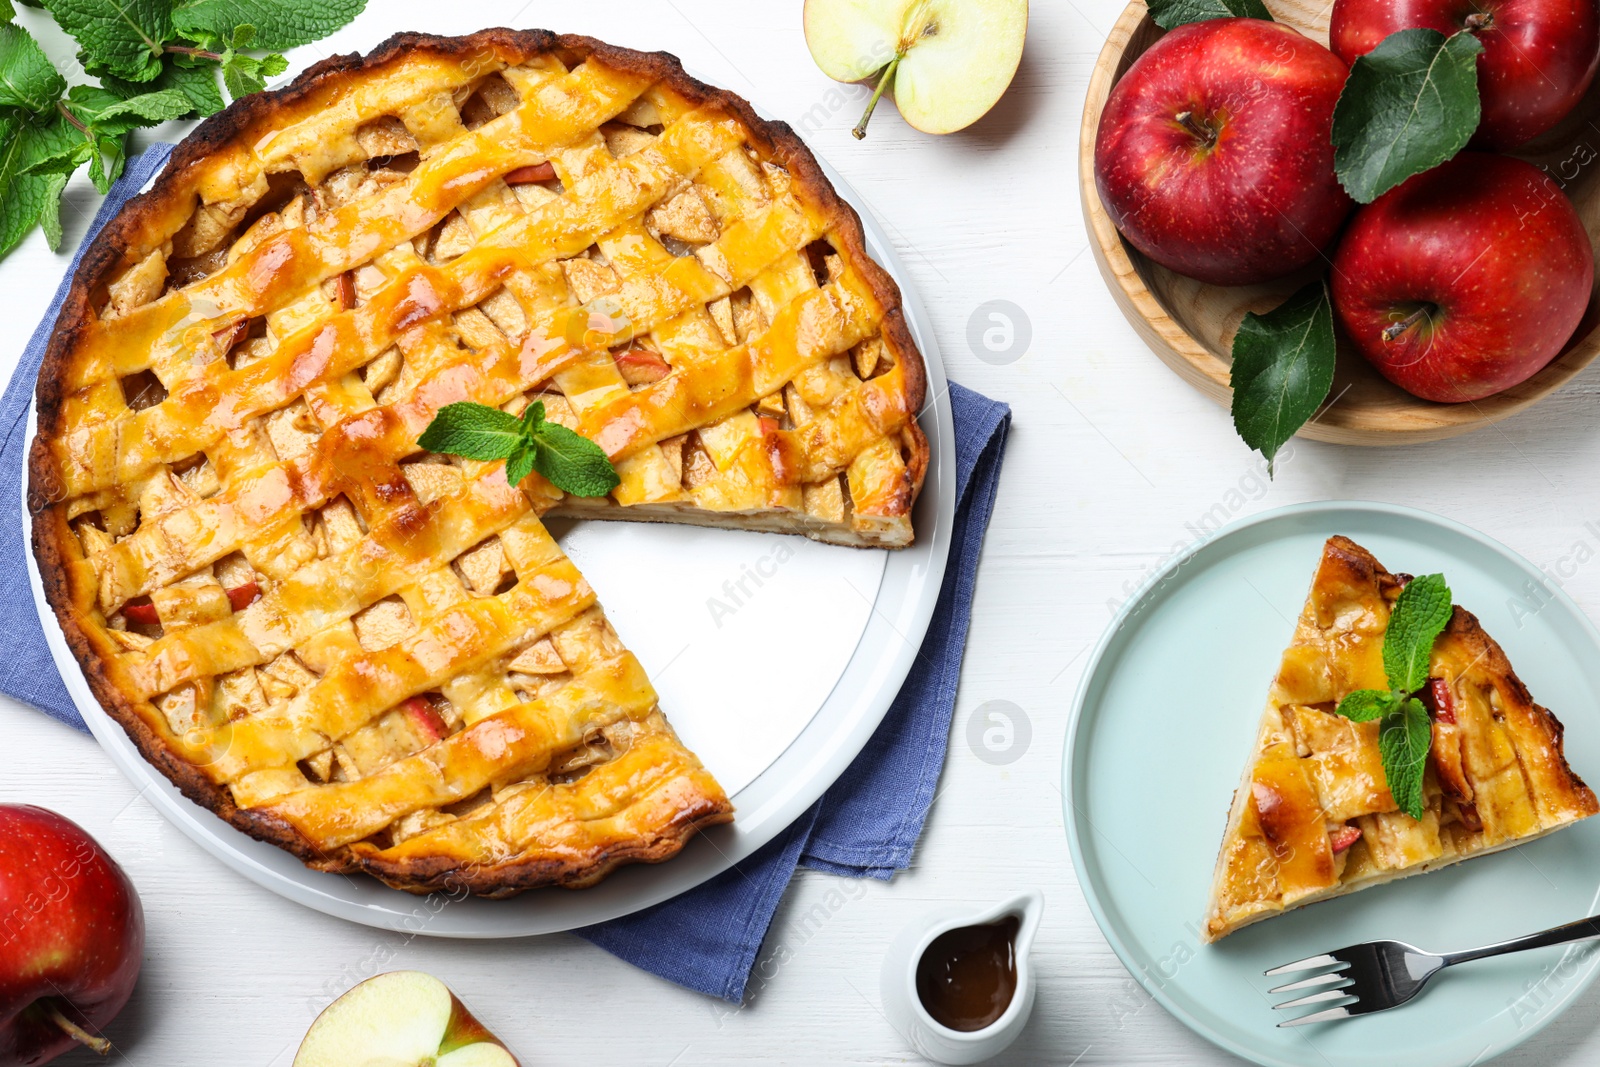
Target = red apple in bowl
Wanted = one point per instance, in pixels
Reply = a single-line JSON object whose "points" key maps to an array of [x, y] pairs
{"points": [[1215, 155], [72, 932], [1464, 280], [1538, 58]]}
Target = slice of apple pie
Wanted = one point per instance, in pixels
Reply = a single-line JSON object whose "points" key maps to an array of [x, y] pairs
{"points": [[1313, 817]]}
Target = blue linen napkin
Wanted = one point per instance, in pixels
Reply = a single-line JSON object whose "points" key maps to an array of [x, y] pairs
{"points": [[707, 939]]}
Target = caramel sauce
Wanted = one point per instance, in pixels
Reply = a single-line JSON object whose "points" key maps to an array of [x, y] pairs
{"points": [[967, 976]]}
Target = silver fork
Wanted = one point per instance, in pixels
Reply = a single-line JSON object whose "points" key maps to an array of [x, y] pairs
{"points": [[1385, 974]]}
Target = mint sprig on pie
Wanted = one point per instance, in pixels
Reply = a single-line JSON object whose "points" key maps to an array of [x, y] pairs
{"points": [[571, 462], [1421, 612]]}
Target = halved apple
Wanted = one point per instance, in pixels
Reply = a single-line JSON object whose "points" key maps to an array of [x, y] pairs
{"points": [[948, 61], [400, 1019]]}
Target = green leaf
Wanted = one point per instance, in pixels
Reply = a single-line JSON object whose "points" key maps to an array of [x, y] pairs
{"points": [[1420, 614], [197, 82], [520, 464], [1364, 705], [279, 24], [146, 109], [1409, 104], [1403, 739], [474, 431], [120, 37], [573, 463], [24, 195], [1282, 368], [241, 74], [1169, 14], [27, 77], [50, 210], [7, 12]]}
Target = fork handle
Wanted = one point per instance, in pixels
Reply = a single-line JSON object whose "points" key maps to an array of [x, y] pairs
{"points": [[1582, 930]]}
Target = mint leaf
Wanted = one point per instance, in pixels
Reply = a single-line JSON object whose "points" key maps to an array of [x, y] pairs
{"points": [[573, 463], [244, 74], [1421, 613], [50, 210], [120, 37], [1169, 14], [1364, 705], [108, 113], [197, 82], [1282, 369], [279, 24], [520, 464], [27, 77], [1409, 104], [24, 196], [7, 12], [474, 431], [1403, 740]]}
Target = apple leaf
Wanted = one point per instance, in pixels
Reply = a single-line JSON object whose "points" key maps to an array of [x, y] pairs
{"points": [[1282, 368], [1409, 104], [1169, 14]]}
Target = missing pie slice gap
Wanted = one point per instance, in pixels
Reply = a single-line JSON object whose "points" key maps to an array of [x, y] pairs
{"points": [[1313, 817]]}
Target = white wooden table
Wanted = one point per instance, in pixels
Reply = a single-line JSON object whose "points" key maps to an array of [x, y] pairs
{"points": [[1113, 463]]}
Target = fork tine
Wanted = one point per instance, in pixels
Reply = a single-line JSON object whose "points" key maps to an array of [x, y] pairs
{"points": [[1339, 978], [1324, 960], [1318, 1017], [1317, 998]]}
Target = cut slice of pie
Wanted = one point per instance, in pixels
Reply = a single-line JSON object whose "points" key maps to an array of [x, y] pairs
{"points": [[1313, 817], [374, 656]]}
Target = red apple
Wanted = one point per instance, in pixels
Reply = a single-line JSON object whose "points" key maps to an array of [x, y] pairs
{"points": [[1465, 279], [1215, 151], [1538, 58], [73, 937]]}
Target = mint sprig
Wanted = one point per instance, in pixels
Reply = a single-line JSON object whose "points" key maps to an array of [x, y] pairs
{"points": [[1282, 368], [573, 463], [1420, 614], [156, 60], [1169, 14], [1409, 104]]}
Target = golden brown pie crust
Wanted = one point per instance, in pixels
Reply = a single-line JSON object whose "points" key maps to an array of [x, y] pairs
{"points": [[658, 823], [1496, 777]]}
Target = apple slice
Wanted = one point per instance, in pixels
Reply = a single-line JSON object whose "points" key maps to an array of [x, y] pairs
{"points": [[400, 1019], [642, 366], [948, 61]]}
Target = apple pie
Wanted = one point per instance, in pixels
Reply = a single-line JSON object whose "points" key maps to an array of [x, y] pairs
{"points": [[377, 657], [1313, 817]]}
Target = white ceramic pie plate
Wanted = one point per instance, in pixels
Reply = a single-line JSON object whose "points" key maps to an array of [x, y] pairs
{"points": [[775, 658], [1163, 723]]}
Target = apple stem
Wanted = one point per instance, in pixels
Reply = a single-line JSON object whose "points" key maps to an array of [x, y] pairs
{"points": [[1479, 20], [1207, 135], [76, 1032], [1396, 329], [884, 79]]}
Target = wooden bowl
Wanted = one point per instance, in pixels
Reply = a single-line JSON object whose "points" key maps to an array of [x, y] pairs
{"points": [[1190, 324]]}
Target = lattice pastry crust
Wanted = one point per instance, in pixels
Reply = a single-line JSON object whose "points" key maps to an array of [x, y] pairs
{"points": [[1313, 817], [376, 657]]}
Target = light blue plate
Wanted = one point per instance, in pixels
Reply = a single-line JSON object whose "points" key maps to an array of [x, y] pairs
{"points": [[1164, 721]]}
